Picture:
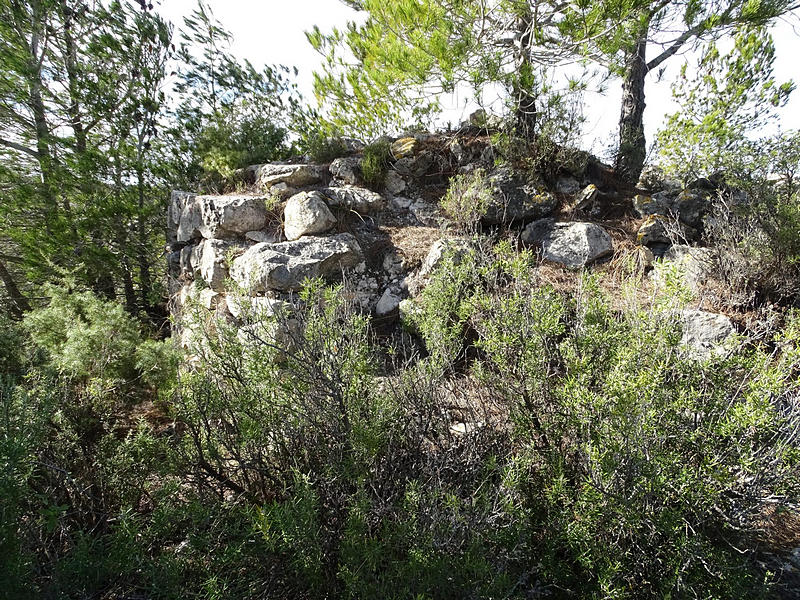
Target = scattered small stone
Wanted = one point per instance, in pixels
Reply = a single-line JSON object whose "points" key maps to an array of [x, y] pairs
{"points": [[347, 169], [705, 334], [388, 303], [394, 183]]}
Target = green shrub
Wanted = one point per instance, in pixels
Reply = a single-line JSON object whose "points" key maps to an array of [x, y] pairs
{"points": [[237, 138], [375, 163], [467, 199], [641, 462], [85, 336], [754, 227], [317, 138], [322, 148], [549, 445], [13, 350]]}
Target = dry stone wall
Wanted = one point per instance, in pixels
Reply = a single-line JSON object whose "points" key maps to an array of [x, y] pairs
{"points": [[232, 254]]}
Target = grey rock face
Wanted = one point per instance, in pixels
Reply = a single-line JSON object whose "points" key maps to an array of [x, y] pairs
{"points": [[262, 236], [705, 334], [574, 245], [388, 303], [568, 185], [346, 169], [177, 202], [209, 262], [281, 191], [285, 266], [306, 214], [587, 197], [514, 199], [297, 175], [414, 165], [689, 206], [361, 200], [536, 232], [221, 216], [185, 261], [653, 231], [394, 183]]}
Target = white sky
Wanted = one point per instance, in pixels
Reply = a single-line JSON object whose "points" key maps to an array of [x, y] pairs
{"points": [[272, 32]]}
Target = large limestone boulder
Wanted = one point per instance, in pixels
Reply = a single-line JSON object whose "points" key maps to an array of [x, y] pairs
{"points": [[705, 334], [210, 264], [361, 200], [284, 266], [297, 175], [516, 199], [306, 214], [574, 245], [221, 216]]}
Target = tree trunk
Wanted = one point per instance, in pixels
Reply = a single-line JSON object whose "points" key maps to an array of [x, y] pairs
{"points": [[142, 258], [41, 128], [127, 285], [20, 304], [71, 64], [632, 146], [525, 113], [523, 91]]}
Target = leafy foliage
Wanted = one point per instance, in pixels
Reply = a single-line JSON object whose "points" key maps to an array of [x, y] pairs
{"points": [[727, 96], [82, 97], [230, 115]]}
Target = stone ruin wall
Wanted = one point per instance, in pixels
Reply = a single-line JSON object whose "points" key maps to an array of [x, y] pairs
{"points": [[301, 220]]}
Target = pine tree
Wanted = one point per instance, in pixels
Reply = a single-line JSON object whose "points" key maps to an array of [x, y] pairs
{"points": [[379, 71], [726, 98]]}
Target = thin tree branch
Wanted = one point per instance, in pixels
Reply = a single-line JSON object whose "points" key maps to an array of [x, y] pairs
{"points": [[19, 147]]}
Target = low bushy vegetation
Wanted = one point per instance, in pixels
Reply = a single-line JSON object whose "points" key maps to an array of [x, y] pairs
{"points": [[547, 446], [375, 163], [467, 199]]}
